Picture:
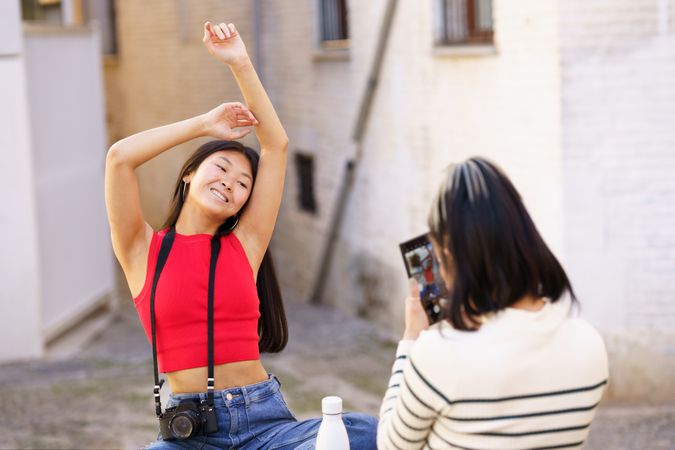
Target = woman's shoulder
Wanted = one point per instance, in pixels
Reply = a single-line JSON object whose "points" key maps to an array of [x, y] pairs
{"points": [[578, 331], [443, 333], [440, 339]]}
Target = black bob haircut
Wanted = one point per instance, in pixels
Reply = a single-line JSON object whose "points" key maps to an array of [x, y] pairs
{"points": [[496, 255]]}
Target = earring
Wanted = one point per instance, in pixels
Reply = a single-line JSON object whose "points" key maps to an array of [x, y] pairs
{"points": [[183, 197], [236, 221]]}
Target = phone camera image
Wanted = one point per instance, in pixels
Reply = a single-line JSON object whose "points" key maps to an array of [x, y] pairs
{"points": [[422, 265]]}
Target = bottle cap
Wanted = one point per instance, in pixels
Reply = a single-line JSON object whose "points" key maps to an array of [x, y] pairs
{"points": [[331, 405]]}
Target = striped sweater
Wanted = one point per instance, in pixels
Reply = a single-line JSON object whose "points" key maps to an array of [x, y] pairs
{"points": [[524, 380]]}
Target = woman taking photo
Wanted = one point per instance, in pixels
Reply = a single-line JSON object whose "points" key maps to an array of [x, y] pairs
{"points": [[204, 285], [506, 367]]}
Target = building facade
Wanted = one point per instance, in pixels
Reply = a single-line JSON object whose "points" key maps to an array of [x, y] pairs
{"points": [[574, 100]]}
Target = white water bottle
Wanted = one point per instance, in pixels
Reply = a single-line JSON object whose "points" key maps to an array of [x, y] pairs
{"points": [[332, 432]]}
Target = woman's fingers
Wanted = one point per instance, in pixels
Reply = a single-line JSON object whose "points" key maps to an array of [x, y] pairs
{"points": [[208, 36], [225, 29], [413, 288], [242, 112], [415, 318], [247, 116], [219, 32]]}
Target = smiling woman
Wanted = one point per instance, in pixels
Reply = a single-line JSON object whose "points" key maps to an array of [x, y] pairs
{"points": [[216, 181], [204, 285]]}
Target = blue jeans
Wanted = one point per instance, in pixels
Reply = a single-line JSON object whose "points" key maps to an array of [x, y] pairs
{"points": [[257, 417]]}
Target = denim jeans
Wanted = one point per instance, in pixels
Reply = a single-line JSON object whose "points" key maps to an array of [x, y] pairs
{"points": [[257, 417]]}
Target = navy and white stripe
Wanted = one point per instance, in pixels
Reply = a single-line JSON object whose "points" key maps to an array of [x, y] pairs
{"points": [[502, 387]]}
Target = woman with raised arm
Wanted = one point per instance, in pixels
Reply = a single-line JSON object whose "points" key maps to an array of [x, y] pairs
{"points": [[204, 285]]}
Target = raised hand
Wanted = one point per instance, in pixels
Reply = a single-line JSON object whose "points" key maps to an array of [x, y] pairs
{"points": [[224, 42], [223, 120]]}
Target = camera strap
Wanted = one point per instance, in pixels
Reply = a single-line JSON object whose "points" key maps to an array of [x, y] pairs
{"points": [[167, 243], [215, 251]]}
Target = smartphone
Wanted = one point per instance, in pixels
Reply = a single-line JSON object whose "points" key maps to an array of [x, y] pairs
{"points": [[422, 265]]}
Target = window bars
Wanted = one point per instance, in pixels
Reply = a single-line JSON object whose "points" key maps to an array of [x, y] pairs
{"points": [[334, 24], [464, 22]]}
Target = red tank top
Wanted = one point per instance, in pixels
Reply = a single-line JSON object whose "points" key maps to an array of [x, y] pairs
{"points": [[181, 302]]}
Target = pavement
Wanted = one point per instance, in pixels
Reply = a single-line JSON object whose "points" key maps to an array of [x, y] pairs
{"points": [[94, 388]]}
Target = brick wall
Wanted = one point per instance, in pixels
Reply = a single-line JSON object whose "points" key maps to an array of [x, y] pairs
{"points": [[315, 97], [429, 110], [618, 100], [164, 74], [574, 103]]}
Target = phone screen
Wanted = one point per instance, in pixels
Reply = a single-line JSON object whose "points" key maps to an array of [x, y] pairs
{"points": [[422, 265]]}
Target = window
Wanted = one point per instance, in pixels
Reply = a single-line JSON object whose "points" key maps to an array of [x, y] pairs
{"points": [[41, 11], [105, 14], [334, 23], [76, 13], [464, 22], [304, 165]]}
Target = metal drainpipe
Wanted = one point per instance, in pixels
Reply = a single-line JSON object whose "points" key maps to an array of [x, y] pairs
{"points": [[351, 165]]}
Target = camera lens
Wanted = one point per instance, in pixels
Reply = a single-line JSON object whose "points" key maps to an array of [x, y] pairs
{"points": [[184, 424]]}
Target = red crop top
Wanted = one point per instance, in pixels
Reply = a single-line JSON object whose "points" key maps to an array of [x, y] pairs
{"points": [[181, 303]]}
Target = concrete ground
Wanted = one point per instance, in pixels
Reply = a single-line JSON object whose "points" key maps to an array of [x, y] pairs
{"points": [[94, 390]]}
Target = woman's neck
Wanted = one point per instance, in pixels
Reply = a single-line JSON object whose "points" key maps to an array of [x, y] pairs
{"points": [[529, 303], [191, 222]]}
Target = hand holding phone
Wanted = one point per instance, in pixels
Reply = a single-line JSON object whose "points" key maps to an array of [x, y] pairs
{"points": [[422, 266], [416, 319]]}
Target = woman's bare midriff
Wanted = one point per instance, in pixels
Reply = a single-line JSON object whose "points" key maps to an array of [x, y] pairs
{"points": [[228, 375]]}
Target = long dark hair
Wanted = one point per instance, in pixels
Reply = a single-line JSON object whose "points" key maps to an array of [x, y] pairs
{"points": [[496, 255], [272, 325]]}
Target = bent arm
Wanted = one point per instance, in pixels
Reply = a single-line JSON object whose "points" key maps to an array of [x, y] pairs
{"points": [[257, 222], [128, 228], [269, 131]]}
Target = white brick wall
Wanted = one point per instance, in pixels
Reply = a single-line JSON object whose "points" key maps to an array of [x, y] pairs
{"points": [[428, 111], [576, 105], [315, 100], [619, 139], [618, 97]]}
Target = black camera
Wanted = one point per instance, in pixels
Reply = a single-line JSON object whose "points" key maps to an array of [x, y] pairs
{"points": [[187, 419]]}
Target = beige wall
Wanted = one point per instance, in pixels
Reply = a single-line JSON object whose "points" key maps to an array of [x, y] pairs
{"points": [[164, 74]]}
